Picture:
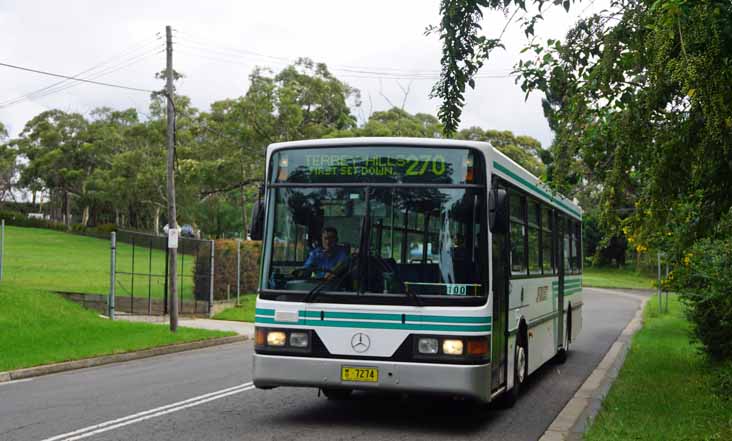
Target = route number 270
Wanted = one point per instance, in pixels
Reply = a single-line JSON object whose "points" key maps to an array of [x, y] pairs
{"points": [[418, 165]]}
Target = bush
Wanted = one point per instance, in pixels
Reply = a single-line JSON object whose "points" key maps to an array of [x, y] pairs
{"points": [[704, 282], [19, 219], [723, 381], [225, 268]]}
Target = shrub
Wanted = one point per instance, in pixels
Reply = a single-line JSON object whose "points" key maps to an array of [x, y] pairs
{"points": [[225, 268], [19, 219], [723, 381], [704, 281]]}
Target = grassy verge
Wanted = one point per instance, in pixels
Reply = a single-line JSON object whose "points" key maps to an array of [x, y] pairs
{"points": [[241, 313], [615, 278], [665, 388], [38, 327], [57, 261]]}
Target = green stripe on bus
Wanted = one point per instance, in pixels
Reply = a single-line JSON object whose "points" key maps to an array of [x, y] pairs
{"points": [[262, 311], [272, 321], [535, 188], [378, 325], [568, 282], [395, 317], [447, 319]]}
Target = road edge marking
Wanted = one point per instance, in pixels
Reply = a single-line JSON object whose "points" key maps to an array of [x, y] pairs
{"points": [[65, 366], [573, 420]]}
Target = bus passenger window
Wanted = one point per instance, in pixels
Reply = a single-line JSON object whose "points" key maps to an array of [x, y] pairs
{"points": [[518, 235], [534, 245], [546, 240]]}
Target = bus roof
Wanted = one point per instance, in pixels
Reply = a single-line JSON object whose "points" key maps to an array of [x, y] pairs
{"points": [[499, 163]]}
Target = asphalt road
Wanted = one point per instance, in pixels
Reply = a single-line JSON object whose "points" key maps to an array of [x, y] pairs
{"points": [[206, 395]]}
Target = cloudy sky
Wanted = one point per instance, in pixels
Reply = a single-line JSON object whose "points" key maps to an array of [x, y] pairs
{"points": [[377, 46]]}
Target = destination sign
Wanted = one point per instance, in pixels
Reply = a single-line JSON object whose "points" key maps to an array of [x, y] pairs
{"points": [[376, 164]]}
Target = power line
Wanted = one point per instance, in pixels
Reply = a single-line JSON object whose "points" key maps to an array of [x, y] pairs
{"points": [[82, 80], [215, 55], [186, 40], [68, 84], [137, 52]]}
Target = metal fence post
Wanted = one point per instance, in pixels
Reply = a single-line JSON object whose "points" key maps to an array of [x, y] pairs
{"points": [[666, 306], [238, 270], [112, 274], [660, 302], [211, 282], [2, 249]]}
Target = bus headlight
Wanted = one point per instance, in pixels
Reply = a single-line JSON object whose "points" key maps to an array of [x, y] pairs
{"points": [[452, 347], [276, 338], [268, 340], [299, 339], [427, 345]]}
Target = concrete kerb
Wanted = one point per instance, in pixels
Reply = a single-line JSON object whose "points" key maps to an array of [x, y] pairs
{"points": [[574, 419], [36, 371]]}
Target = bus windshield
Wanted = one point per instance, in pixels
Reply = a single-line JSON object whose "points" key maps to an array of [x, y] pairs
{"points": [[373, 241]]}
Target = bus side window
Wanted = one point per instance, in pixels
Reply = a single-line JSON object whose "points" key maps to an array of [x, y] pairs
{"points": [[534, 241], [547, 249], [577, 240], [518, 234], [565, 226]]}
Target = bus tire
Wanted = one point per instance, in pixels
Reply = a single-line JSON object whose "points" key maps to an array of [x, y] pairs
{"points": [[564, 350], [336, 394], [520, 369]]}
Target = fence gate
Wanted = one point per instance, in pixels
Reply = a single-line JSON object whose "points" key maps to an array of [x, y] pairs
{"points": [[140, 274]]}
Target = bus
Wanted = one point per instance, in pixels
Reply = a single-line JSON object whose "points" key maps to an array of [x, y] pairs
{"points": [[446, 269]]}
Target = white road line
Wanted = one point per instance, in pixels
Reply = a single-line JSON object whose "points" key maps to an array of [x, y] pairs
{"points": [[151, 413]]}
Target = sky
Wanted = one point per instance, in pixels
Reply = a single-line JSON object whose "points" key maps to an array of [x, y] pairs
{"points": [[376, 46]]}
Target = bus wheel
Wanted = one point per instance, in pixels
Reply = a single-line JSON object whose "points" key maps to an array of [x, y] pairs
{"points": [[562, 353], [337, 394], [520, 372]]}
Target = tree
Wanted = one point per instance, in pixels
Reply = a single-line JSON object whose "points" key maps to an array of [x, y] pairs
{"points": [[57, 154], [524, 150]]}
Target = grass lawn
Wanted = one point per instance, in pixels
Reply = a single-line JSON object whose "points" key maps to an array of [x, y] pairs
{"points": [[57, 261], [664, 390], [40, 328], [241, 313], [615, 278]]}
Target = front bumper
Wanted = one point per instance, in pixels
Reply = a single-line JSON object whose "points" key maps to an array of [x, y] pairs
{"points": [[464, 380]]}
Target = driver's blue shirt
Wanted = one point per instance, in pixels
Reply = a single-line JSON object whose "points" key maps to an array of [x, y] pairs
{"points": [[321, 262]]}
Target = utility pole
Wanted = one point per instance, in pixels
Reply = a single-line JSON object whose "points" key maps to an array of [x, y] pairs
{"points": [[172, 222]]}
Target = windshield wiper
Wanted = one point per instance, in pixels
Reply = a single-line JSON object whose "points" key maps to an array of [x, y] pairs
{"points": [[310, 297]]}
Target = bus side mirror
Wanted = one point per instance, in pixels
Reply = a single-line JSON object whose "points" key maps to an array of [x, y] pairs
{"points": [[498, 211], [256, 229]]}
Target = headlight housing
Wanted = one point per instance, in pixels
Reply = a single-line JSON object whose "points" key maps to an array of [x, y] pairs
{"points": [[282, 340], [452, 347]]}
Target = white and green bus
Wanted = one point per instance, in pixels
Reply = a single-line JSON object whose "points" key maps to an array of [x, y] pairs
{"points": [[411, 265]]}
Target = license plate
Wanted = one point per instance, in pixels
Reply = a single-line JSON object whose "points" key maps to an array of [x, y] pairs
{"points": [[351, 373]]}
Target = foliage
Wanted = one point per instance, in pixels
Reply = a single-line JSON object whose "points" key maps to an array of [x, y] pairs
{"points": [[646, 106], [525, 150], [463, 54], [19, 219], [704, 281], [225, 268]]}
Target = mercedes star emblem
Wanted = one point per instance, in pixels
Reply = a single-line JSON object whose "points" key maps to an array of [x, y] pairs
{"points": [[360, 342]]}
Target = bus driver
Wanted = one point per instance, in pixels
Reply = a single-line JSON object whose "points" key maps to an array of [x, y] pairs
{"points": [[323, 260]]}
